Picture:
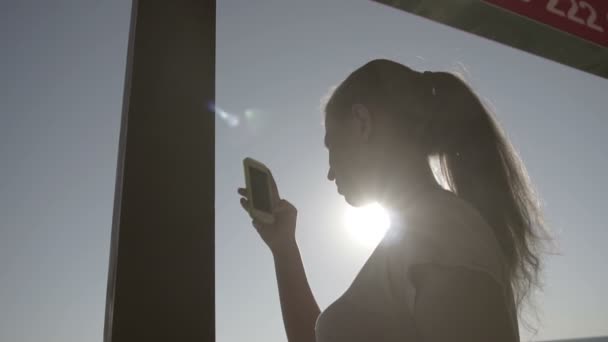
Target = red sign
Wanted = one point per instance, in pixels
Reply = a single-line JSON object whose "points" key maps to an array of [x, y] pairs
{"points": [[587, 19]]}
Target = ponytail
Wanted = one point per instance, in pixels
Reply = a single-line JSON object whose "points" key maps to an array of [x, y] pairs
{"points": [[479, 164]]}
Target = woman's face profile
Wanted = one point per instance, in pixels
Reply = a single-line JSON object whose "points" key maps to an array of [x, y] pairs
{"points": [[347, 143]]}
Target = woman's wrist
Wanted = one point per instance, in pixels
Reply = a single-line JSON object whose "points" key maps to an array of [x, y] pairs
{"points": [[285, 249]]}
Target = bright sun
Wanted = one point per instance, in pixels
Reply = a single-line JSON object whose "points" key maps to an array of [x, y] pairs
{"points": [[368, 224]]}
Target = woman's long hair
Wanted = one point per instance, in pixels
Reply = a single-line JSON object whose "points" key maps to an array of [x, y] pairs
{"points": [[440, 113]]}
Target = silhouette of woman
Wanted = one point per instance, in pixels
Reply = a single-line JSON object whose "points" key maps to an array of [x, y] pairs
{"points": [[462, 254]]}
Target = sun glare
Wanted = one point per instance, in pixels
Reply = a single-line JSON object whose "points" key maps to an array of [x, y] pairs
{"points": [[368, 224]]}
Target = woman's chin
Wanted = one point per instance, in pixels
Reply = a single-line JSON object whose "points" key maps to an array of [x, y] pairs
{"points": [[356, 201]]}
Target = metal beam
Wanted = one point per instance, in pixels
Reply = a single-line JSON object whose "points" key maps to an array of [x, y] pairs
{"points": [[161, 274]]}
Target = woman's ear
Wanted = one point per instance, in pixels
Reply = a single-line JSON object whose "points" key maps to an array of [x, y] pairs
{"points": [[363, 124]]}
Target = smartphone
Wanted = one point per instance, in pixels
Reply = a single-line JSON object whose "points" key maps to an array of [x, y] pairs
{"points": [[258, 180]]}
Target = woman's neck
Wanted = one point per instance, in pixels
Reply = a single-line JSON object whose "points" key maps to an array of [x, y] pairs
{"points": [[403, 180], [404, 186], [401, 198]]}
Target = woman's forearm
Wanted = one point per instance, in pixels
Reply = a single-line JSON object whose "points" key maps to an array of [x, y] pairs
{"points": [[300, 310]]}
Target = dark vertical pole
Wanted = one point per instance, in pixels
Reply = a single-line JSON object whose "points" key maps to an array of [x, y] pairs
{"points": [[161, 275]]}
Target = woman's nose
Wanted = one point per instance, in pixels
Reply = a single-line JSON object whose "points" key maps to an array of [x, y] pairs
{"points": [[330, 175]]}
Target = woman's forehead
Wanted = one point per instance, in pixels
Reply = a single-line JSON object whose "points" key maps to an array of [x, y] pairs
{"points": [[331, 123], [331, 127], [329, 133], [335, 130]]}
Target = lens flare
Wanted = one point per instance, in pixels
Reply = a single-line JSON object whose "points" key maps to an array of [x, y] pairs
{"points": [[230, 119], [250, 114], [368, 224]]}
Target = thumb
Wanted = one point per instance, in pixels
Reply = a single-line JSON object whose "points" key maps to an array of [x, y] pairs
{"points": [[275, 189], [280, 206], [285, 205]]}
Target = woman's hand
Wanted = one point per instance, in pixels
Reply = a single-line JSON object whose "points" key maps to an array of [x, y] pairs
{"points": [[279, 235]]}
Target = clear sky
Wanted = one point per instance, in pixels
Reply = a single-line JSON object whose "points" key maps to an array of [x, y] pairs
{"points": [[62, 72]]}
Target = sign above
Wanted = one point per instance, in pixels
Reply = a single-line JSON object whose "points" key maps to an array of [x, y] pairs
{"points": [[570, 32], [585, 19]]}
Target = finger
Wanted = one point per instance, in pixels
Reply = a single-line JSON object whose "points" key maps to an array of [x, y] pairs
{"points": [[285, 203], [245, 204], [259, 226], [243, 192]]}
